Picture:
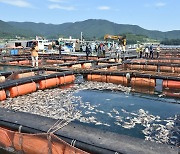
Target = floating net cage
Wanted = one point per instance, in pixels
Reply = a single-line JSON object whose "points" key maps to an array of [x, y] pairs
{"points": [[147, 76]]}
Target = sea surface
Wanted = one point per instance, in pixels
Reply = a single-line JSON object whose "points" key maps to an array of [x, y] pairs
{"points": [[8, 68], [134, 114]]}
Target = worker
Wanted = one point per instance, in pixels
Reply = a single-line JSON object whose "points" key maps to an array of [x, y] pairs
{"points": [[123, 43], [60, 49], [158, 50], [34, 54], [138, 49], [77, 46], [87, 51], [151, 51], [141, 50], [103, 50], [146, 51]]}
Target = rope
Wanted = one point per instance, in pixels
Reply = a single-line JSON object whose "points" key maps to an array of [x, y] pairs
{"points": [[0, 95], [56, 80], [19, 129], [49, 144], [20, 138], [150, 83], [17, 89], [45, 82], [73, 142], [64, 78], [53, 126], [60, 124]]}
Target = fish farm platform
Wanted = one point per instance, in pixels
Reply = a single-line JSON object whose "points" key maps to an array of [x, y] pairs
{"points": [[98, 104]]}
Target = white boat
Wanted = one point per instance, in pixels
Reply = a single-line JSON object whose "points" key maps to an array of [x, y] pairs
{"points": [[42, 43], [16, 43]]}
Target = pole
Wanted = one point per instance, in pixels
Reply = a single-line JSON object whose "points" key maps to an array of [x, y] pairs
{"points": [[81, 38]]}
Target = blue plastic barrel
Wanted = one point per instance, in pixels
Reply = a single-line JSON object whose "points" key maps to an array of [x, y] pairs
{"points": [[16, 52], [11, 52]]}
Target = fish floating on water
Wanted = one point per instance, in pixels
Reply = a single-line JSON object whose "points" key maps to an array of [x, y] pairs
{"points": [[62, 104]]}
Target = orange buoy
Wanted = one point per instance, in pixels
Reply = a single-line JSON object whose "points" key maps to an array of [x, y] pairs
{"points": [[50, 72], [50, 61], [22, 89], [176, 61], [166, 69], [112, 60], [171, 84], [176, 69], [74, 58], [76, 66], [151, 60], [24, 75], [92, 58], [150, 67], [32, 144], [136, 81], [2, 95], [171, 94], [165, 61], [117, 79], [5, 140], [59, 61], [86, 65], [69, 61], [48, 83], [102, 63], [112, 68], [66, 79], [2, 79], [13, 62], [54, 61], [67, 86], [144, 90], [98, 78], [24, 62], [135, 67], [36, 143], [64, 67], [138, 60]]}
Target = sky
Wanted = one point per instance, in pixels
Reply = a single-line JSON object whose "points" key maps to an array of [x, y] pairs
{"points": [[163, 15]]}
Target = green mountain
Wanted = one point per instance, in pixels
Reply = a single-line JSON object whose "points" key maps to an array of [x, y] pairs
{"points": [[9, 31], [91, 28]]}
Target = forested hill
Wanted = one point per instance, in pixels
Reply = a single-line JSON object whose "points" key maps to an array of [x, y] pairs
{"points": [[91, 28], [9, 31]]}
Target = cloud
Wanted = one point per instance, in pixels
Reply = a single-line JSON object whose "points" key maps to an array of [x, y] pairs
{"points": [[160, 4], [57, 6], [103, 8], [18, 3]]}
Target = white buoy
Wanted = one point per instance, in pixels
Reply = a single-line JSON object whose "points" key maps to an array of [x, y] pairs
{"points": [[128, 76]]}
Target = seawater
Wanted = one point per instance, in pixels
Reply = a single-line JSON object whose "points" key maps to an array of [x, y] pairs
{"points": [[8, 68], [115, 105]]}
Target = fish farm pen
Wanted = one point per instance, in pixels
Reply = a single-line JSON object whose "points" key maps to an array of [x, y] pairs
{"points": [[102, 105]]}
